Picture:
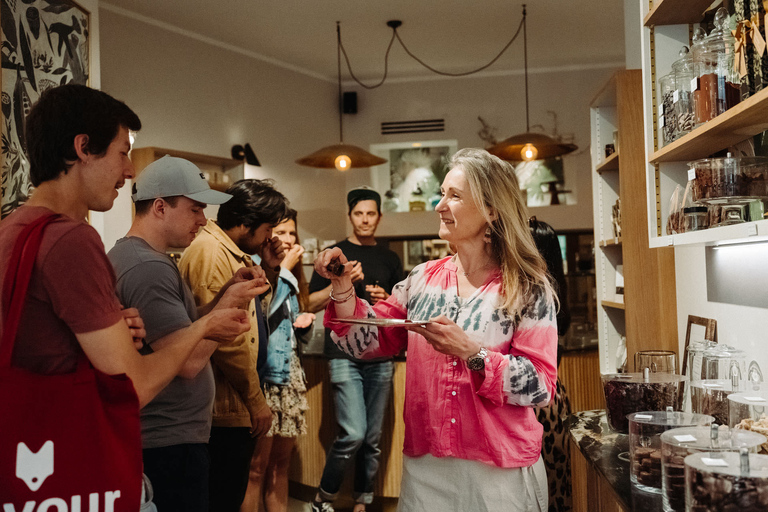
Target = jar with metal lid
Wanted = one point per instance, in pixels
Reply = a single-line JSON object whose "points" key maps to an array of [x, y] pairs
{"points": [[724, 372], [683, 72], [667, 117], [645, 429], [718, 86], [678, 443], [728, 481], [695, 218], [626, 393]]}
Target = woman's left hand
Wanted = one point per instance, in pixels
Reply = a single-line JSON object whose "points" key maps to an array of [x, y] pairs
{"points": [[447, 337], [304, 320]]}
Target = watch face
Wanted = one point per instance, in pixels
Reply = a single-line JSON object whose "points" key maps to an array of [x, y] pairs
{"points": [[476, 363]]}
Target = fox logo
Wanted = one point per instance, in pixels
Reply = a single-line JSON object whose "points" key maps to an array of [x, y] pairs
{"points": [[33, 468]]}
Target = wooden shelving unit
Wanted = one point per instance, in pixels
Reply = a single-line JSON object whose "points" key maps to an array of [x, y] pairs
{"points": [[609, 164], [610, 242], [611, 304], [666, 166], [647, 316], [222, 172], [676, 12], [746, 119]]}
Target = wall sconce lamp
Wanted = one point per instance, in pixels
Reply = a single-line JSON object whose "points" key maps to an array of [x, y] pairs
{"points": [[245, 153]]}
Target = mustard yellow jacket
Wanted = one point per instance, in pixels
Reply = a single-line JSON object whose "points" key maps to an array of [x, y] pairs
{"points": [[207, 264]]}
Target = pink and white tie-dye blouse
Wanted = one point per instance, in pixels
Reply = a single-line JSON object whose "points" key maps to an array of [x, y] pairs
{"points": [[451, 411]]}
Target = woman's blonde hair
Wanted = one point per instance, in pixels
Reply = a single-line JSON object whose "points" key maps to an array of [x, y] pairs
{"points": [[493, 185]]}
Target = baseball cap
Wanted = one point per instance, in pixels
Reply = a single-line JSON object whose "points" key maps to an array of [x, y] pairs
{"points": [[356, 195], [171, 176]]}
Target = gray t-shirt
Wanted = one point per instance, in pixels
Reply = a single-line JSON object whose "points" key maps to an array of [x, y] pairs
{"points": [[150, 281]]}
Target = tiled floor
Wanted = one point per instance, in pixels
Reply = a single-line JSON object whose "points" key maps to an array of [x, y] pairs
{"points": [[297, 506]]}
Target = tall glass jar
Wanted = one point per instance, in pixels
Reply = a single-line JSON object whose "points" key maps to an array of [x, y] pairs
{"points": [[683, 72], [718, 86], [667, 117]]}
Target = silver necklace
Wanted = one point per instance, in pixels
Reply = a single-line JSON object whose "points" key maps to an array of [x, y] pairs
{"points": [[466, 274]]}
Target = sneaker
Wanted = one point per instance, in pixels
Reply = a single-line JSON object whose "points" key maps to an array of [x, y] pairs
{"points": [[321, 506]]}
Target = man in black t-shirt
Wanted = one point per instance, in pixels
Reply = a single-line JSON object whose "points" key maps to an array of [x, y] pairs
{"points": [[360, 388]]}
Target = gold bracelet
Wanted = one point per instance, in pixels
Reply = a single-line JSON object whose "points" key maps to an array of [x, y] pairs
{"points": [[351, 294]]}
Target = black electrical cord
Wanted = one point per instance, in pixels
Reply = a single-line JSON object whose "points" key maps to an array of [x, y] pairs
{"points": [[395, 35]]}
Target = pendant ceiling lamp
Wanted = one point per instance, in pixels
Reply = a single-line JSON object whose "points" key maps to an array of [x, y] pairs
{"points": [[341, 156], [529, 146]]}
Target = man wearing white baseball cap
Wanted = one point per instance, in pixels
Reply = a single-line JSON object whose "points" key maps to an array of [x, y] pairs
{"points": [[169, 196]]}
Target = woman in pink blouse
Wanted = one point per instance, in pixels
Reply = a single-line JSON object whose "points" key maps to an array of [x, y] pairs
{"points": [[483, 351]]}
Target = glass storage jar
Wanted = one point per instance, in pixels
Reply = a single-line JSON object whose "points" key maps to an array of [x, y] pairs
{"points": [[695, 218], [626, 393], [667, 117], [729, 180], [678, 443], [751, 405], [683, 72], [645, 429], [657, 361], [729, 481], [724, 372]]}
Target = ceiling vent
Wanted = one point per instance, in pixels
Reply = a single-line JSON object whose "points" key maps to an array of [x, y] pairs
{"points": [[424, 125]]}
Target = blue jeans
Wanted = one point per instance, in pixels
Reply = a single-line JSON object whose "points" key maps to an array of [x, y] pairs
{"points": [[360, 392]]}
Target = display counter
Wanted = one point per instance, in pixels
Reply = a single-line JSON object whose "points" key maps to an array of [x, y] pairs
{"points": [[600, 468]]}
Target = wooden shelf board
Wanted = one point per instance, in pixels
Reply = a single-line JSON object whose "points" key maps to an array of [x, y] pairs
{"points": [[611, 304], [609, 164], [676, 12], [737, 233], [610, 242], [746, 119]]}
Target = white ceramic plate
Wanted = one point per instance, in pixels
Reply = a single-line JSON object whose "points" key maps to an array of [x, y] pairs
{"points": [[379, 322]]}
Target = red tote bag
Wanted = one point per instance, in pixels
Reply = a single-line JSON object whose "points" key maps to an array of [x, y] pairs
{"points": [[71, 442]]}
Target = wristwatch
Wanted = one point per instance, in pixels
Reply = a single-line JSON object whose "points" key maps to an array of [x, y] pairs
{"points": [[477, 361]]}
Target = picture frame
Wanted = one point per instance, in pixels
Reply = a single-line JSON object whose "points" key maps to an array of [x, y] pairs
{"points": [[411, 178], [45, 44]]}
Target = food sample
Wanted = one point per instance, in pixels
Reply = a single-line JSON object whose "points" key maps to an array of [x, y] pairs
{"points": [[719, 484], [335, 267], [628, 392]]}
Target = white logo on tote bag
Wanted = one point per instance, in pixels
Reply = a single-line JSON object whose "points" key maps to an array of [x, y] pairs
{"points": [[33, 468]]}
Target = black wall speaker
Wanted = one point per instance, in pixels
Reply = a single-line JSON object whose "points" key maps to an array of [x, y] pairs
{"points": [[349, 103]]}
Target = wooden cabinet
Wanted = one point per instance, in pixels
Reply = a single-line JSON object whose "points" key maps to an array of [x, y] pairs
{"points": [[579, 372], [220, 172], [591, 492], [646, 314]]}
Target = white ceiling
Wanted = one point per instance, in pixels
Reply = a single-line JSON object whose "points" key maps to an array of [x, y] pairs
{"points": [[450, 35]]}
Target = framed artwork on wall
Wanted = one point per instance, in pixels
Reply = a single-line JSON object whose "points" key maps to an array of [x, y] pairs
{"points": [[411, 179], [544, 182], [45, 44]]}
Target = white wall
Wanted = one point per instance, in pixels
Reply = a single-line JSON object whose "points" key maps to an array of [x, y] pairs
{"points": [[196, 96], [743, 327], [500, 101]]}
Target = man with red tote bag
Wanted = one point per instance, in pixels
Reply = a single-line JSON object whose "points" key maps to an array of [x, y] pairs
{"points": [[71, 380]]}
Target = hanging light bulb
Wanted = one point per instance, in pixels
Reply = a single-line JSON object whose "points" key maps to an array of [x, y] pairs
{"points": [[341, 156], [342, 163], [529, 152]]}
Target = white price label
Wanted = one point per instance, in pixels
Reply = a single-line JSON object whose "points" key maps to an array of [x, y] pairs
{"points": [[691, 174], [670, 240], [686, 439], [675, 96], [694, 84], [643, 417], [661, 110], [662, 122], [714, 462], [754, 399], [714, 385], [752, 229]]}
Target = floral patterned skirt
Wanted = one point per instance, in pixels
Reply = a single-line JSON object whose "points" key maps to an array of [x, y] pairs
{"points": [[288, 403]]}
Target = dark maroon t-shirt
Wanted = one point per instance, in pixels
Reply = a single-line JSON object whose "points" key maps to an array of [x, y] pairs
{"points": [[72, 290]]}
